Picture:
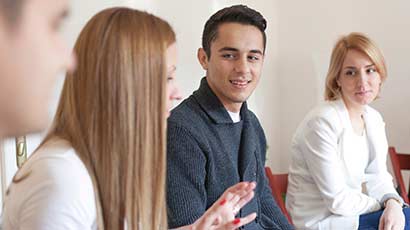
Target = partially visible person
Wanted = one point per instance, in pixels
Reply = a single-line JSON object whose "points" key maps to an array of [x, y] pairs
{"points": [[33, 52], [214, 140], [338, 177], [102, 164]]}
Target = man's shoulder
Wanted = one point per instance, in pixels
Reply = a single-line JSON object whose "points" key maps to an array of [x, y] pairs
{"points": [[252, 116], [186, 111], [254, 120], [188, 115]]}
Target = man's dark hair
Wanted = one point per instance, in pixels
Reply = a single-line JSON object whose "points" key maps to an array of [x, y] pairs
{"points": [[239, 14], [10, 10]]}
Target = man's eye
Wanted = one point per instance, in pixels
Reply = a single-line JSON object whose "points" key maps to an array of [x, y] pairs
{"points": [[253, 58], [230, 56]]}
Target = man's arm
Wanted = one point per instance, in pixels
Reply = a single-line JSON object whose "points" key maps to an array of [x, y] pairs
{"points": [[186, 194]]}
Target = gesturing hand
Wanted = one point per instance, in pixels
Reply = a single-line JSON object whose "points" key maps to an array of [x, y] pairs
{"points": [[221, 215]]}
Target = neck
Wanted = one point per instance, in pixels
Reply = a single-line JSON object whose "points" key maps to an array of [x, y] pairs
{"points": [[4, 131], [233, 107], [356, 117], [355, 111]]}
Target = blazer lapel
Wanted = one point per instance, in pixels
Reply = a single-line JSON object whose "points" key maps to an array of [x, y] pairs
{"points": [[376, 137], [345, 148], [343, 114]]}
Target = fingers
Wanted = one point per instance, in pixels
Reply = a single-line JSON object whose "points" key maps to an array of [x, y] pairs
{"points": [[397, 227], [206, 221], [244, 200], [238, 186], [244, 195], [238, 222], [235, 198], [238, 194], [388, 225], [223, 211], [381, 222], [242, 187], [226, 196], [392, 219]]}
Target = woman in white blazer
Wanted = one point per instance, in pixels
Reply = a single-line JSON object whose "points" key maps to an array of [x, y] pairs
{"points": [[338, 170]]}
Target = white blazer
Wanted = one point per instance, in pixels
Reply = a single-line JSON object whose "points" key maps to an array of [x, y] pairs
{"points": [[325, 177]]}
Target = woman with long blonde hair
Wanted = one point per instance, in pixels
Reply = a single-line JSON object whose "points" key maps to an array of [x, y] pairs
{"points": [[102, 164]]}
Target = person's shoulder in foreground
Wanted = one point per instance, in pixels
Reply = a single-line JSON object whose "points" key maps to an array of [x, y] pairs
{"points": [[52, 191]]}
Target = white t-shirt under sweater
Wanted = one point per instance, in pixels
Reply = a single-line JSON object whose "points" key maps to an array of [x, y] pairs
{"points": [[236, 117], [57, 194]]}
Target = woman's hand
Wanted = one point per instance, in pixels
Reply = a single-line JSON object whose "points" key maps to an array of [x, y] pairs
{"points": [[392, 217], [221, 215]]}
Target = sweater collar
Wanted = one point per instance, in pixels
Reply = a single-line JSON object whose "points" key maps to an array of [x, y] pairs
{"points": [[212, 106]]}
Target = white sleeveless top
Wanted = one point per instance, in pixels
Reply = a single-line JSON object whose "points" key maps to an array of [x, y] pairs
{"points": [[361, 151]]}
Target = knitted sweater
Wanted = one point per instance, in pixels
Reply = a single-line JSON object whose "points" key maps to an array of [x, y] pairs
{"points": [[202, 162]]}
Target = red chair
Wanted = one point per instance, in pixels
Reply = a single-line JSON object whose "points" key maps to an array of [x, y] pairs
{"points": [[279, 184], [400, 161]]}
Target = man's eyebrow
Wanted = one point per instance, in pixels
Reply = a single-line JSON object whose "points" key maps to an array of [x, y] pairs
{"points": [[228, 49], [256, 52]]}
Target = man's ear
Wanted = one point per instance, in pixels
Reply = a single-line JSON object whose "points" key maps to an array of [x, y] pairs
{"points": [[202, 58]]}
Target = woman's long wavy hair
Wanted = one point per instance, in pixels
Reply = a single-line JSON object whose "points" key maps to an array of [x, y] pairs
{"points": [[112, 110]]}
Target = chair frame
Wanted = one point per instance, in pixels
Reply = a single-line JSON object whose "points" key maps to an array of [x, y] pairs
{"points": [[278, 184], [400, 161]]}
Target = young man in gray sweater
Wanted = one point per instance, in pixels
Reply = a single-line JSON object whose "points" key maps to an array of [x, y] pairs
{"points": [[214, 141]]}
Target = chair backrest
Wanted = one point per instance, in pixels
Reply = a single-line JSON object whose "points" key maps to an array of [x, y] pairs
{"points": [[400, 161], [278, 184]]}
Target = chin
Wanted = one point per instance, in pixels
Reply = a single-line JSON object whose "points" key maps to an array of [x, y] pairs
{"points": [[364, 102], [239, 98], [39, 122]]}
